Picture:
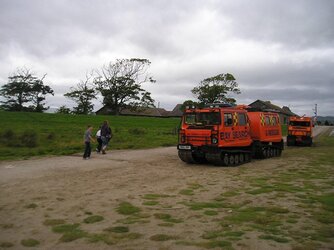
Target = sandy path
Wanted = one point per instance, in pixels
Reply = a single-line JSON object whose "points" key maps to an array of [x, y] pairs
{"points": [[71, 188]]}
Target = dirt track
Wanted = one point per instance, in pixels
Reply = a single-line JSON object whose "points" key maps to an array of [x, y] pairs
{"points": [[70, 188]]}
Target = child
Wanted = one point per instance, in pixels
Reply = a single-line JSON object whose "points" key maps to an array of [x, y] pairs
{"points": [[87, 139], [99, 140]]}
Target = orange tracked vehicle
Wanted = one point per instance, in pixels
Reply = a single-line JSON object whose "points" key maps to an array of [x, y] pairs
{"points": [[300, 131], [228, 136]]}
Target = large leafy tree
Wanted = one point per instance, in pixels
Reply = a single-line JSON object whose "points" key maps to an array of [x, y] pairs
{"points": [[216, 89], [120, 84], [38, 94], [83, 94], [22, 89]]}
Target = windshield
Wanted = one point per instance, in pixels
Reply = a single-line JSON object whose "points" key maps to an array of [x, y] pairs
{"points": [[300, 123], [203, 118]]}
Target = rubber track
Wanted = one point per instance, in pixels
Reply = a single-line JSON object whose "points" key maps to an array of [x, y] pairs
{"points": [[215, 159], [186, 156]]}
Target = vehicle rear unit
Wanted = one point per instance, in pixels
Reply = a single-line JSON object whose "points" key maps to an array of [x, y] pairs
{"points": [[228, 136], [300, 131]]}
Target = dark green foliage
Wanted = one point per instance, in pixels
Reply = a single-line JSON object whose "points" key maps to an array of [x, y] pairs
{"points": [[120, 84], [22, 89], [83, 95], [63, 110], [216, 88]]}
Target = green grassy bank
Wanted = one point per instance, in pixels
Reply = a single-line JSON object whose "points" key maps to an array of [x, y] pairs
{"points": [[24, 135]]}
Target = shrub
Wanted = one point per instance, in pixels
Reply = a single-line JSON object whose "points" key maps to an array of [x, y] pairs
{"points": [[137, 131], [29, 139], [8, 137]]}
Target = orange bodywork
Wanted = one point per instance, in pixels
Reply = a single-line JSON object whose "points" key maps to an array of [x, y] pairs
{"points": [[300, 131], [228, 136], [300, 126], [232, 127], [221, 127], [265, 126]]}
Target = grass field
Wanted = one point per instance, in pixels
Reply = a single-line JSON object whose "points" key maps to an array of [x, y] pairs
{"points": [[24, 135]]}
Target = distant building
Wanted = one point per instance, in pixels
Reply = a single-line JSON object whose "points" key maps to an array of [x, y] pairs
{"points": [[284, 112], [143, 111]]}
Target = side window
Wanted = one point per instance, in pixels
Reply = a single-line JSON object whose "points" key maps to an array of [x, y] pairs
{"points": [[274, 121], [242, 119], [228, 120], [267, 120]]}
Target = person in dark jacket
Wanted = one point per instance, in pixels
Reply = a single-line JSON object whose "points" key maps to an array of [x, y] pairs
{"points": [[106, 135]]}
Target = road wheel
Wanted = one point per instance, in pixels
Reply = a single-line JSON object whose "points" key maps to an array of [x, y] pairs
{"points": [[279, 152], [231, 160], [271, 152], [274, 152], [247, 158], [236, 159], [225, 160], [241, 158], [264, 153]]}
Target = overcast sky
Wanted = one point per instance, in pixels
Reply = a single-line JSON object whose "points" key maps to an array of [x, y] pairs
{"points": [[282, 51]]}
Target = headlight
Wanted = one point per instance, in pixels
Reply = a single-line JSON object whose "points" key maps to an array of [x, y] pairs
{"points": [[183, 139]]}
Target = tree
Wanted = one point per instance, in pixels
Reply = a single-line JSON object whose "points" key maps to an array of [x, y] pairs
{"points": [[83, 95], [189, 103], [120, 84], [215, 89], [24, 88], [38, 93], [63, 110]]}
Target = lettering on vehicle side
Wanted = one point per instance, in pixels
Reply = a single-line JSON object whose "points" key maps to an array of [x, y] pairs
{"points": [[235, 135], [225, 135], [272, 132]]}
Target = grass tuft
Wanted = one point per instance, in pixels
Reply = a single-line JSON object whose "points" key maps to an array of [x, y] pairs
{"points": [[274, 238], [93, 219], [29, 242], [163, 237], [53, 222], [118, 229], [6, 244], [127, 208]]}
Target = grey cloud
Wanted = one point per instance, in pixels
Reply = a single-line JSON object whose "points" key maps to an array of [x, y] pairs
{"points": [[296, 24], [265, 44]]}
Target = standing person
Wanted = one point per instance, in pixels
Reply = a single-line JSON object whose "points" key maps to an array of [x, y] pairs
{"points": [[105, 135], [87, 139], [99, 140]]}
